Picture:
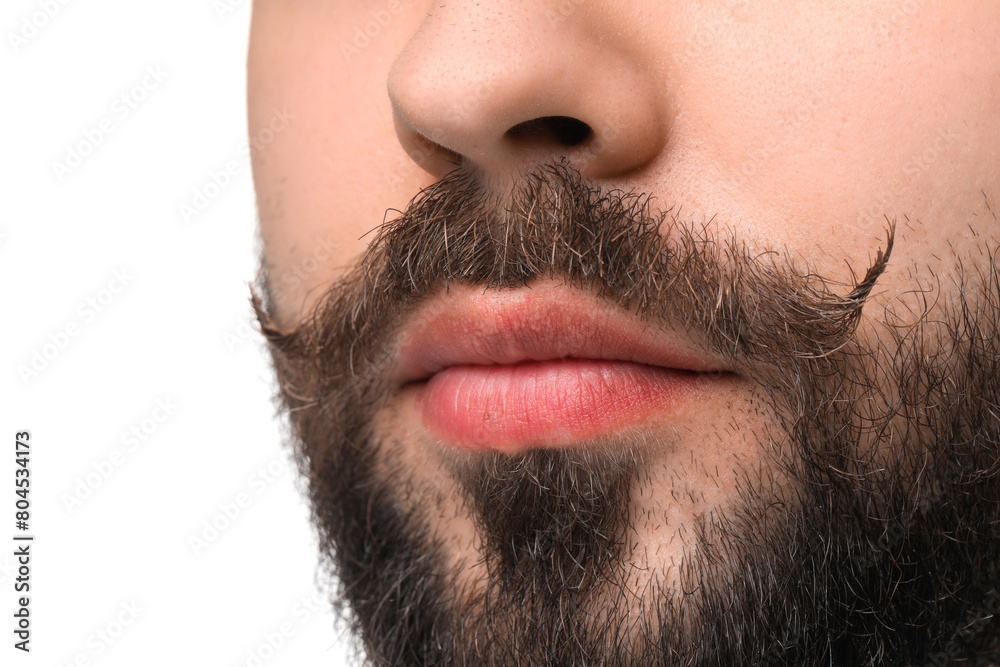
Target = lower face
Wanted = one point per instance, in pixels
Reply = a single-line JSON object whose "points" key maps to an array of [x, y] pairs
{"points": [[759, 498]]}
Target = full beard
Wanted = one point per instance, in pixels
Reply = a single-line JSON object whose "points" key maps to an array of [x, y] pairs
{"points": [[868, 533]]}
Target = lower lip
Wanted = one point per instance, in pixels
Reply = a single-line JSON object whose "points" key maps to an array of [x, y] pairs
{"points": [[545, 404]]}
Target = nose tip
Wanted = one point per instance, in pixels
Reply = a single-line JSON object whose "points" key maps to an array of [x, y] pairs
{"points": [[491, 90]]}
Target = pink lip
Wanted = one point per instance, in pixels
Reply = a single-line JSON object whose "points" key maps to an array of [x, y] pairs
{"points": [[542, 367]]}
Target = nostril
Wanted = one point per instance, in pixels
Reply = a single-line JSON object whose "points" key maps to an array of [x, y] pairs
{"points": [[563, 130]]}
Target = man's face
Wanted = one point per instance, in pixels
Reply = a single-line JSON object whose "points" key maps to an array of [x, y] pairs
{"points": [[690, 354]]}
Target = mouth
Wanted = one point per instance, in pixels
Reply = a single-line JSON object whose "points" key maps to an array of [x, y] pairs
{"points": [[546, 366]]}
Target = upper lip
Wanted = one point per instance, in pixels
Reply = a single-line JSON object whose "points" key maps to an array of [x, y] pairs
{"points": [[473, 326]]}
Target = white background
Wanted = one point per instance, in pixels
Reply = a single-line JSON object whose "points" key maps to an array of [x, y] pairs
{"points": [[115, 517]]}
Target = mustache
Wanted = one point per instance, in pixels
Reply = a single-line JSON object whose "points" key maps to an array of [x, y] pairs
{"points": [[745, 307]]}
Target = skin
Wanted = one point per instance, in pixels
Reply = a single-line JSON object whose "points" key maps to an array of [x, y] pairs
{"points": [[801, 126], [797, 126]]}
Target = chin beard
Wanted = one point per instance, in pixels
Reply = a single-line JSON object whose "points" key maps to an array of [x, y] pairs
{"points": [[868, 534]]}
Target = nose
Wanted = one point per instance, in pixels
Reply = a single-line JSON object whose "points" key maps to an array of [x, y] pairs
{"points": [[501, 86]]}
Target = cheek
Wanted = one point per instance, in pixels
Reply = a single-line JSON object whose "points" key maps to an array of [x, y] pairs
{"points": [[846, 121], [326, 179]]}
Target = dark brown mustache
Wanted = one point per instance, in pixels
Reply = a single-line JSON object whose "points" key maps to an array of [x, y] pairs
{"points": [[744, 307]]}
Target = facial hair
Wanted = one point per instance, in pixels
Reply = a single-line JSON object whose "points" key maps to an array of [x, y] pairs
{"points": [[881, 544]]}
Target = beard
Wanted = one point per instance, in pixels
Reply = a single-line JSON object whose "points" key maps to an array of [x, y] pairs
{"points": [[868, 532]]}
